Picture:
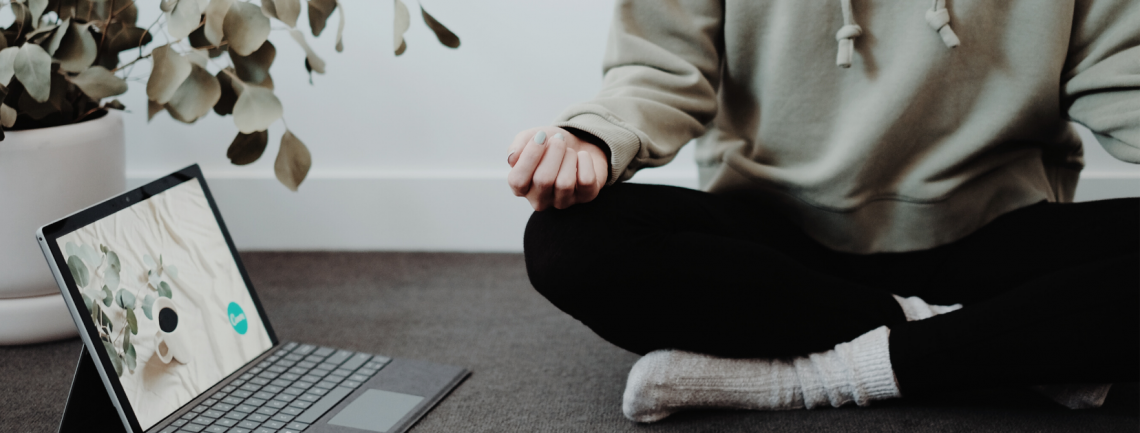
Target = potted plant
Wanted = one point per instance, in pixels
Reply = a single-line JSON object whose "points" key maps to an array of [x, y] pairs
{"points": [[62, 62]]}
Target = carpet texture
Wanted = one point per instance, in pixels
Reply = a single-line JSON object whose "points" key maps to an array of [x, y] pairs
{"points": [[535, 368]]}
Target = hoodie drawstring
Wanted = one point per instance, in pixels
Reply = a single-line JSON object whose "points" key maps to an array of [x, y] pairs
{"points": [[937, 17], [846, 36]]}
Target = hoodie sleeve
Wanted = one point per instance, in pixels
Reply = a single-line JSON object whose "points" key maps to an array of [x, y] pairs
{"points": [[662, 67], [1102, 74]]}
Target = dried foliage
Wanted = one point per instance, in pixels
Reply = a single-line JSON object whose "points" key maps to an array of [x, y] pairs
{"points": [[59, 59]]}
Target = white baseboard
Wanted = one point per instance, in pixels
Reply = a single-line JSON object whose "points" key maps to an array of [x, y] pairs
{"points": [[420, 211]]}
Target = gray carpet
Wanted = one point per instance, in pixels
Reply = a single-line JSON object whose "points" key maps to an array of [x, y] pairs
{"points": [[535, 368]]}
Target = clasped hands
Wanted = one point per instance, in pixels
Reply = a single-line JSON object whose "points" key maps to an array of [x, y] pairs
{"points": [[552, 167]]}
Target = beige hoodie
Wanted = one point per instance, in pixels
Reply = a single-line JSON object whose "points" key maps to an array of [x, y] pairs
{"points": [[944, 119]]}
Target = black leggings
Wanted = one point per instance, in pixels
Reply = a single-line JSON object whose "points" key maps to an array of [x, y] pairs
{"points": [[1051, 291]]}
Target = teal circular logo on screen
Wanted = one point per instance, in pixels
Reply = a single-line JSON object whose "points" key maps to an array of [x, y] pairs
{"points": [[237, 318]]}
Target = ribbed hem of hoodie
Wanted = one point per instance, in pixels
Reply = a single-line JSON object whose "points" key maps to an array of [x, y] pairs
{"points": [[874, 377], [624, 145]]}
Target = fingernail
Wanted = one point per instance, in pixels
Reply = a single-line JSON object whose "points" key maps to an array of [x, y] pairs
{"points": [[540, 137], [509, 155], [559, 136]]}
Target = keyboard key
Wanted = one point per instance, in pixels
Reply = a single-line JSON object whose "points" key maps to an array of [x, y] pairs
{"points": [[314, 358], [288, 430], [259, 381], [323, 405], [255, 370], [284, 397], [309, 397], [289, 376], [282, 417], [339, 357], [358, 377], [229, 388], [263, 395], [210, 402], [311, 378], [291, 411], [236, 415], [190, 415], [325, 384], [356, 361], [327, 366], [373, 365], [257, 417], [317, 391], [285, 363], [232, 400], [225, 422], [179, 422], [294, 357], [249, 424], [306, 364], [342, 372], [277, 369], [267, 411], [274, 358], [250, 387], [293, 390], [218, 395], [303, 384], [246, 408], [224, 407], [238, 382], [199, 409], [324, 351], [265, 430], [277, 404], [273, 424], [267, 375], [170, 429], [351, 383], [297, 425], [204, 420], [304, 349], [264, 364], [246, 376], [272, 389], [335, 378], [215, 413], [366, 371], [216, 429], [300, 404], [193, 428], [290, 346], [241, 393], [282, 382], [240, 430], [255, 402]]}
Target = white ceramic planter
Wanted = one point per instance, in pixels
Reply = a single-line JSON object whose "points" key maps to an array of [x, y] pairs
{"points": [[46, 174]]}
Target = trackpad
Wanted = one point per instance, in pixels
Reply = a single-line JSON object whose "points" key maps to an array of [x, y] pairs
{"points": [[376, 410]]}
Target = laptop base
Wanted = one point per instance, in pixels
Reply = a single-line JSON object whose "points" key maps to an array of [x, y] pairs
{"points": [[88, 401]]}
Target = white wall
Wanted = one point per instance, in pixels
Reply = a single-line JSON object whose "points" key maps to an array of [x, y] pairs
{"points": [[409, 152]]}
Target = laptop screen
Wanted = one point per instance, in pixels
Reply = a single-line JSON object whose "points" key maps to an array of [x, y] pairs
{"points": [[171, 306]]}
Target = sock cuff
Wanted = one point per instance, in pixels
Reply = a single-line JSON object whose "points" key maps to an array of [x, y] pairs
{"points": [[871, 364]]}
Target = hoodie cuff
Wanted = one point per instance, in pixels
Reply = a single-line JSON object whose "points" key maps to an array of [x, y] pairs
{"points": [[623, 144]]}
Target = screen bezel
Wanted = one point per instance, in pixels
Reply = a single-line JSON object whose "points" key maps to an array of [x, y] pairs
{"points": [[49, 234]]}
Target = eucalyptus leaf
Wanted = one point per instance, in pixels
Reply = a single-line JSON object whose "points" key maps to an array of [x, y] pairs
{"points": [[113, 261], [170, 271], [71, 249], [269, 8], [256, 108], [288, 11], [446, 37], [400, 26], [7, 115], [247, 148], [153, 108], [77, 51], [293, 161], [78, 270], [36, 8], [96, 314], [111, 278], [254, 68], [87, 301], [183, 19], [132, 321], [225, 104], [125, 299], [340, 29], [88, 253], [164, 290], [169, 71], [167, 5], [107, 296], [130, 356], [148, 305], [7, 64], [56, 37], [245, 27], [114, 355], [319, 12], [315, 62], [195, 97], [98, 83], [103, 248], [33, 69], [215, 17]]}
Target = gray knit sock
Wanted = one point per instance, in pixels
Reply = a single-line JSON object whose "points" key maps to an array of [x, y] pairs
{"points": [[1072, 396], [666, 381]]}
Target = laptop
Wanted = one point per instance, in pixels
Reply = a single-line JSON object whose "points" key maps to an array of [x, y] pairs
{"points": [[181, 342]]}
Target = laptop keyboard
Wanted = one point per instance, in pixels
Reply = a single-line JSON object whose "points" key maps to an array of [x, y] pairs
{"points": [[285, 393]]}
